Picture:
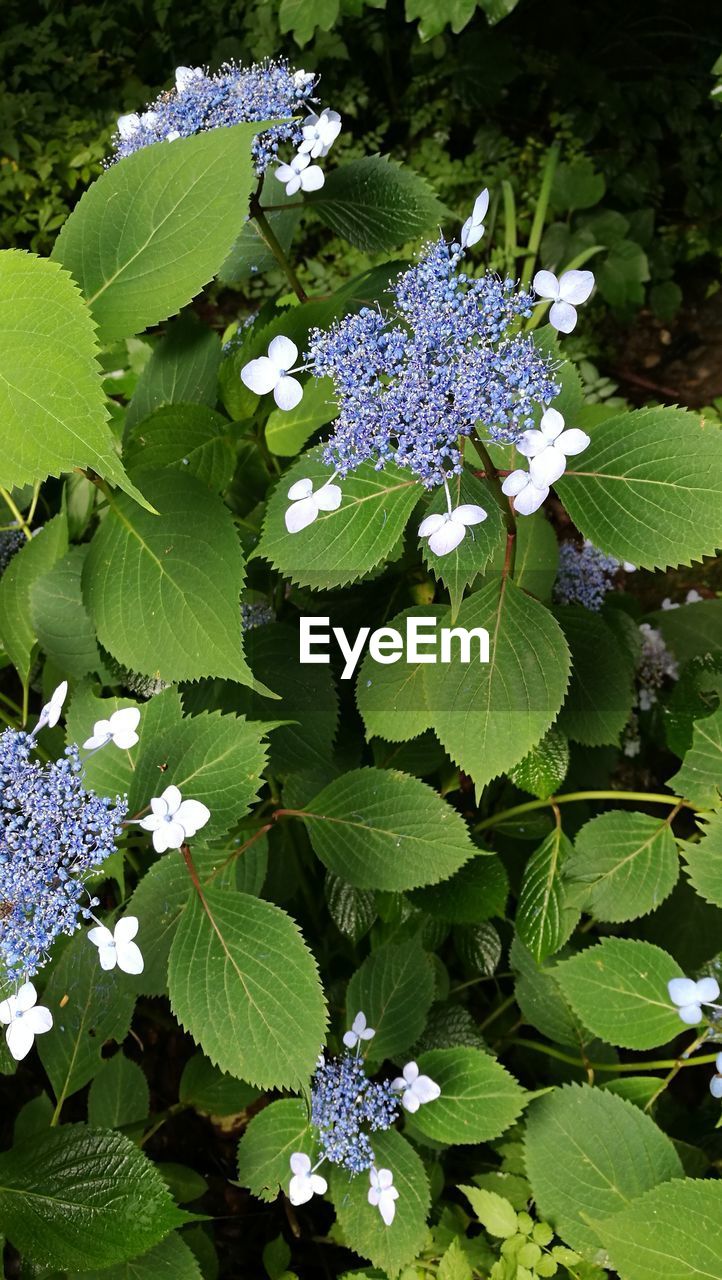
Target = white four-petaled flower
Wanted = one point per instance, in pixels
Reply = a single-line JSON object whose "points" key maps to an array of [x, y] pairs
{"points": [[445, 531], [25, 1019], [715, 1084], [120, 729], [382, 1193], [359, 1031], [174, 820], [118, 948], [305, 1183], [549, 447], [415, 1089], [305, 504], [527, 496], [270, 373], [320, 133], [131, 123], [567, 292], [300, 175], [185, 76], [689, 996], [473, 228], [50, 713]]}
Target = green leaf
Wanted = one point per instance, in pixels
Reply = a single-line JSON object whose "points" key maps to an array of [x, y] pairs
{"points": [[434, 17], [89, 1007], [544, 919], [478, 891], [390, 1249], [76, 1198], [692, 630], [303, 18], [649, 488], [207, 1089], [496, 1215], [119, 1094], [52, 407], [479, 1098], [459, 568], [60, 619], [243, 983], [540, 999], [268, 1144], [454, 1264], [183, 369], [157, 226], [379, 829], [353, 911], [376, 203], [181, 572], [488, 715], [250, 255], [135, 771], [699, 778], [543, 770], [392, 696], [619, 990], [704, 859], [287, 430], [170, 1260], [31, 562], [343, 545], [601, 692], [627, 863], [670, 1233], [190, 437], [394, 988], [589, 1154]]}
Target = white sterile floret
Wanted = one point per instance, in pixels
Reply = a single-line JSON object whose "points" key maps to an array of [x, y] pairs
{"points": [[172, 135], [305, 1183], [715, 1084], [473, 228], [174, 820], [566, 293], [300, 175], [549, 447], [445, 531], [527, 496], [128, 125], [25, 1019], [382, 1193], [359, 1031], [185, 76], [305, 504], [118, 948], [320, 133], [415, 1089], [301, 78], [50, 713], [270, 373], [120, 729], [689, 996]]}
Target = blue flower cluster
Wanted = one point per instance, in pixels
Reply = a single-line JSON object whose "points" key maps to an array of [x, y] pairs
{"points": [[344, 1102], [585, 575], [267, 90], [409, 384], [52, 834]]}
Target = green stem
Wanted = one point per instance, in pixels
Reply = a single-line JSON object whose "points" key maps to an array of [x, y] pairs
{"points": [[496, 1013], [22, 522], [540, 213], [647, 797], [510, 242], [491, 473], [631, 1068], [267, 234]]}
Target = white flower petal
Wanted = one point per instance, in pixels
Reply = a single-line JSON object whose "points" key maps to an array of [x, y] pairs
{"points": [[547, 466], [446, 538], [551, 425], [313, 179], [545, 284], [130, 957], [573, 441], [431, 523], [125, 718], [715, 1086], [283, 352], [411, 1072], [108, 956], [288, 392], [192, 815], [387, 1205], [126, 929], [531, 443], [39, 1020], [185, 76], [285, 173], [25, 998], [481, 206], [426, 1089], [707, 989], [319, 1185], [260, 376], [128, 125], [576, 286], [6, 1009], [410, 1102], [385, 1179], [515, 482], [350, 1039], [471, 234], [530, 499], [562, 316], [301, 489], [300, 514], [19, 1037], [173, 799], [100, 936], [300, 1162], [469, 513], [328, 497], [300, 1190], [691, 1014], [682, 990]]}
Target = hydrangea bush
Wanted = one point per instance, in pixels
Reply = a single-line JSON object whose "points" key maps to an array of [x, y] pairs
{"points": [[439, 926]]}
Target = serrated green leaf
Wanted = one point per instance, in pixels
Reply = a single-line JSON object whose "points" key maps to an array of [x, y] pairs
{"points": [[454, 1264], [600, 695], [543, 770], [488, 715], [392, 696], [544, 919], [379, 829], [343, 545], [170, 1260], [361, 1223], [478, 947], [27, 566], [433, 17], [704, 859], [699, 778], [302, 18], [157, 226], [243, 983], [496, 1215], [287, 430], [540, 999], [588, 1154], [480, 544], [670, 1233], [268, 1144], [478, 891], [52, 407], [623, 865], [619, 990], [353, 911], [692, 629], [207, 1089], [89, 1007], [190, 437], [479, 1098], [119, 1094], [183, 369], [60, 619], [181, 571], [394, 988], [76, 1197], [376, 203], [649, 488]]}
